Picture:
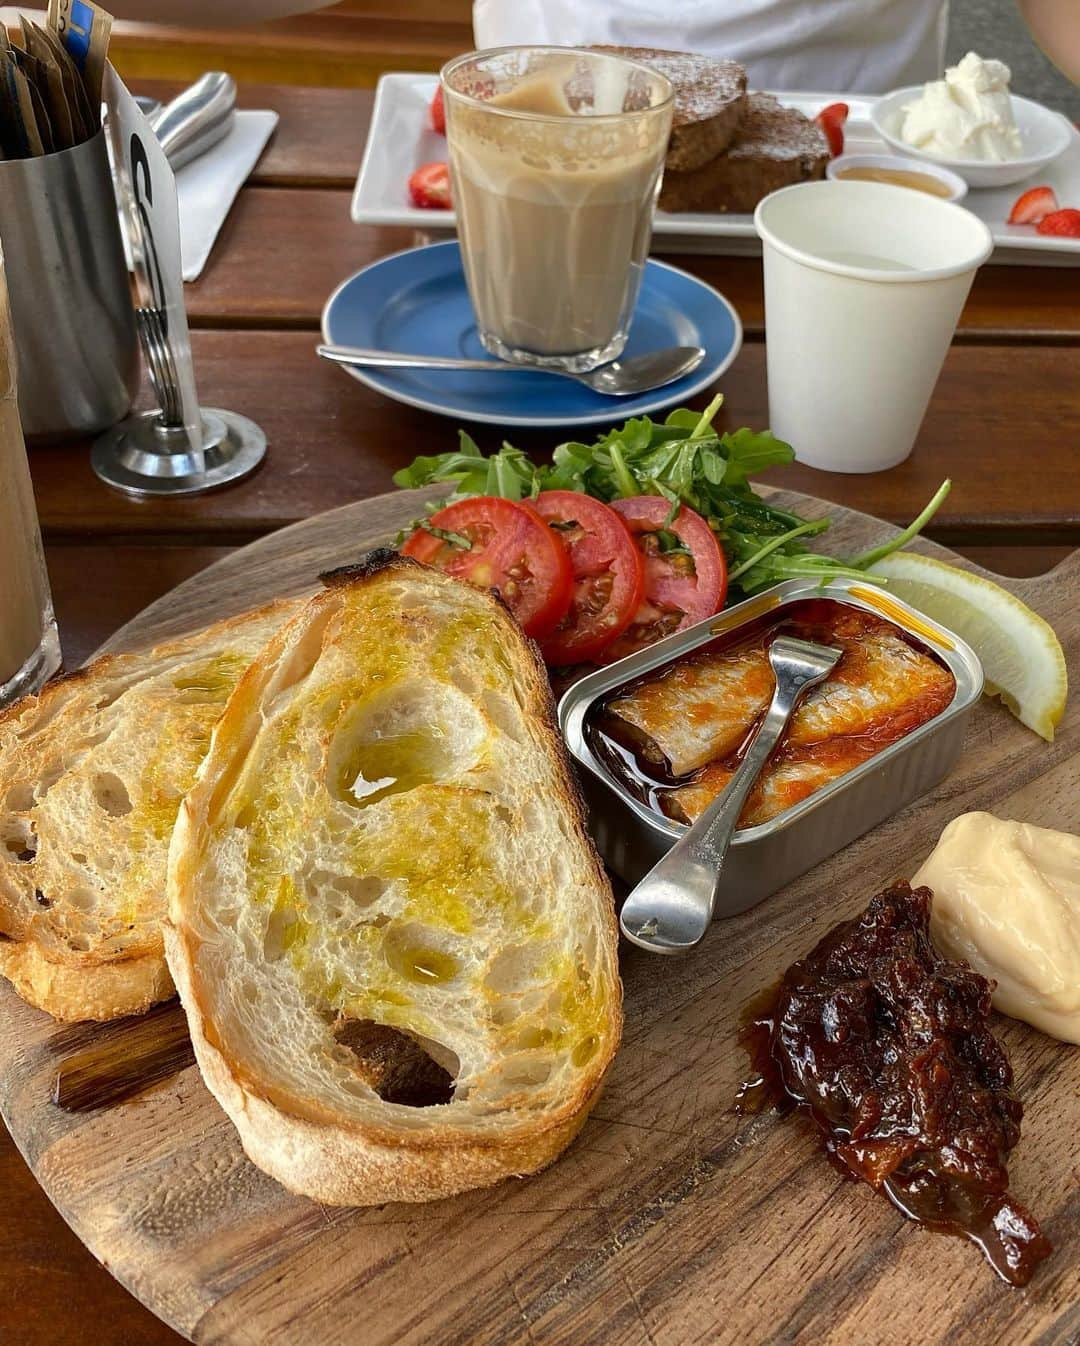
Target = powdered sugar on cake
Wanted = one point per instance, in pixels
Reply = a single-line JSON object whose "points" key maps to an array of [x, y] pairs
{"points": [[703, 84], [771, 131]]}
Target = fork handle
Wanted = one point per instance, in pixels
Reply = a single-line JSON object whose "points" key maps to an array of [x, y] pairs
{"points": [[681, 887], [709, 846], [673, 905]]}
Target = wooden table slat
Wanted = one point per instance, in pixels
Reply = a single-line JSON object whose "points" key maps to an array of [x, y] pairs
{"points": [[343, 45], [333, 440]]}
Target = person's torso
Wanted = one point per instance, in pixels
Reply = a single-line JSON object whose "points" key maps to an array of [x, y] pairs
{"points": [[853, 46]]}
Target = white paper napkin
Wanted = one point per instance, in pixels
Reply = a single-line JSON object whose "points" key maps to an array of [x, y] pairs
{"points": [[206, 188]]}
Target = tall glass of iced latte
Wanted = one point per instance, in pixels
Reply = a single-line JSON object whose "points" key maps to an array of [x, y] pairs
{"points": [[555, 163]]}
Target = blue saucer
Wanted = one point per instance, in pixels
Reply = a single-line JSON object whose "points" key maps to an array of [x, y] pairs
{"points": [[416, 301]]}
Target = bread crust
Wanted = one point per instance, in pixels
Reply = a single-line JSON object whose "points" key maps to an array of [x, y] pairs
{"points": [[308, 1147], [349, 1165], [73, 994]]}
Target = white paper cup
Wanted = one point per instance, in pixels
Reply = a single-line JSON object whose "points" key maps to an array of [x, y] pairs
{"points": [[864, 284]]}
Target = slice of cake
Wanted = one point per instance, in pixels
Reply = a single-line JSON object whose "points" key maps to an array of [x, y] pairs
{"points": [[710, 98], [774, 147]]}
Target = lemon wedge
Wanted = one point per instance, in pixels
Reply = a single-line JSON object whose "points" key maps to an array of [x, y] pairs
{"points": [[1021, 656]]}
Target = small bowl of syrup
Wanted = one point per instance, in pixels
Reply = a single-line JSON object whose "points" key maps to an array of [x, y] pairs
{"points": [[916, 174]]}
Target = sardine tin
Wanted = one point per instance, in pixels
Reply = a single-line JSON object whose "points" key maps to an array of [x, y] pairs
{"points": [[631, 837]]}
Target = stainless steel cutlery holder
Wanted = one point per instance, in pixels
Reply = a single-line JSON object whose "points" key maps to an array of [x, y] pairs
{"points": [[70, 298]]}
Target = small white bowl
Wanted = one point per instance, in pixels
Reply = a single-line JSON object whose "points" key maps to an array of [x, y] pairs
{"points": [[1045, 135], [957, 187]]}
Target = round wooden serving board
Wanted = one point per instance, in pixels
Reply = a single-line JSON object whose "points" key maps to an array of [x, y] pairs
{"points": [[670, 1220]]}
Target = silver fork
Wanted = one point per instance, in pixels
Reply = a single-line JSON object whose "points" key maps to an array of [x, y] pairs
{"points": [[159, 364], [672, 907]]}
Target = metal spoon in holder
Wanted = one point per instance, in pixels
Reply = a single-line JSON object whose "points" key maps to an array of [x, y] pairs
{"points": [[150, 452], [197, 118], [672, 907]]}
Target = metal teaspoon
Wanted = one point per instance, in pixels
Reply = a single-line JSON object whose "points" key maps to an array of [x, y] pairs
{"points": [[620, 378]]}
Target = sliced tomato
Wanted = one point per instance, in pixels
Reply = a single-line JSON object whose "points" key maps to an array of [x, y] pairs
{"points": [[608, 576], [437, 112], [506, 546], [682, 585], [429, 187]]}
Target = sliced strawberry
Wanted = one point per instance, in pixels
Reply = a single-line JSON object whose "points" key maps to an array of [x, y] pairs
{"points": [[1033, 205], [438, 113], [429, 187], [1061, 223], [831, 119]]}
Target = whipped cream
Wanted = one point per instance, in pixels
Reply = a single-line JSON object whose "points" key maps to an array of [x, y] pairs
{"points": [[966, 115]]}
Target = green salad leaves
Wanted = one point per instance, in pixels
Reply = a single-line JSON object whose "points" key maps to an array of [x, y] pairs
{"points": [[688, 462]]}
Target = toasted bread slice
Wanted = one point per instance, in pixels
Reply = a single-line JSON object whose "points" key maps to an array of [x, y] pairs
{"points": [[774, 147], [92, 772], [710, 99], [393, 940]]}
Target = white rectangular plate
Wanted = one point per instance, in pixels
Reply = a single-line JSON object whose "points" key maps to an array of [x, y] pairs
{"points": [[401, 139]]}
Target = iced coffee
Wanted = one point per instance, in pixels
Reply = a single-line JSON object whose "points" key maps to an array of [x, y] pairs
{"points": [[29, 649], [555, 163]]}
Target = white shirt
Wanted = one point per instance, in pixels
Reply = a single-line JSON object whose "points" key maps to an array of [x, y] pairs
{"points": [[842, 46]]}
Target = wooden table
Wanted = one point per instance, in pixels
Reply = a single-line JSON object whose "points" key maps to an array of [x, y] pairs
{"points": [[346, 45], [1004, 424]]}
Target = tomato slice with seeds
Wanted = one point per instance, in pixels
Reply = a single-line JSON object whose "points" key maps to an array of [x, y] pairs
{"points": [[608, 576], [684, 584], [505, 545]]}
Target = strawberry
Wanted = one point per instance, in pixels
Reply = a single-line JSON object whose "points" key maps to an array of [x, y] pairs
{"points": [[1061, 223], [438, 113], [831, 119], [1033, 205], [429, 186]]}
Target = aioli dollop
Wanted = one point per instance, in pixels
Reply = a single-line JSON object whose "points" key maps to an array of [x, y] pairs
{"points": [[1007, 899]]}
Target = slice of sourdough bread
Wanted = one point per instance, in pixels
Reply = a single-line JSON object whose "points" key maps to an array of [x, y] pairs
{"points": [[394, 942], [92, 772]]}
